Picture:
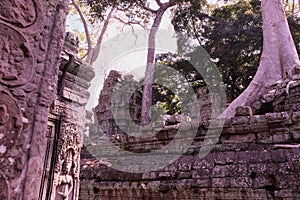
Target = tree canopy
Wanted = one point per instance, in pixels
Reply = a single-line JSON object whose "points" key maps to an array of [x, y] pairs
{"points": [[233, 36]]}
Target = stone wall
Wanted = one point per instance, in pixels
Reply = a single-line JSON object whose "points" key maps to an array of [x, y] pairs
{"points": [[103, 111], [66, 125], [248, 162], [255, 157], [114, 81]]}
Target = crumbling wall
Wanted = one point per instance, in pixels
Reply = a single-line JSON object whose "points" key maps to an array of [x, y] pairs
{"points": [[104, 111], [255, 157], [114, 80], [250, 161]]}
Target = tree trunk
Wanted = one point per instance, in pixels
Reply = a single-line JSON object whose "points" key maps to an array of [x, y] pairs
{"points": [[31, 37], [278, 58], [85, 26], [94, 52], [293, 7], [149, 74]]}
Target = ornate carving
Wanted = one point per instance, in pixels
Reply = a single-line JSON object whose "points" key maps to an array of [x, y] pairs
{"points": [[19, 12], [67, 168], [10, 149], [66, 179], [15, 57]]}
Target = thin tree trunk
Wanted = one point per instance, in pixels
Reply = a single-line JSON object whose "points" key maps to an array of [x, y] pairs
{"points": [[149, 74], [293, 7], [94, 52], [278, 58], [85, 26]]}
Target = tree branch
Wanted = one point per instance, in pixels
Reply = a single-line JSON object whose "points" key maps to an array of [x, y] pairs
{"points": [[86, 30], [146, 7], [91, 58], [165, 6], [159, 3], [171, 3], [129, 23], [105, 25]]}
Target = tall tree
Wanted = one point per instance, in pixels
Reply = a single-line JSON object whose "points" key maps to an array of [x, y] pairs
{"points": [[93, 51], [279, 58], [149, 73], [103, 12], [232, 35]]}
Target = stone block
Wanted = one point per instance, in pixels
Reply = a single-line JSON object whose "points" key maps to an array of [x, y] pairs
{"points": [[166, 174], [274, 117], [150, 176], [182, 175], [185, 164], [220, 182], [259, 127], [240, 120], [279, 156], [245, 157], [241, 170], [286, 194], [203, 164], [202, 173], [243, 111], [223, 158], [228, 130], [224, 171], [242, 128], [295, 134], [296, 116], [258, 119], [240, 182], [281, 137], [203, 183], [246, 138], [264, 137]]}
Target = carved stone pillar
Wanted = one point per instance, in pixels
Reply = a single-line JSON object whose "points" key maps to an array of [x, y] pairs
{"points": [[66, 124], [31, 37]]}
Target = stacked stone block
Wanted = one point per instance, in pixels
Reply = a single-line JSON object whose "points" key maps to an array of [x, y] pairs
{"points": [[255, 157]]}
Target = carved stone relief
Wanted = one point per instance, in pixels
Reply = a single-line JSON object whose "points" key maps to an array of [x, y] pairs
{"points": [[15, 58], [67, 164], [31, 38], [10, 149], [19, 12]]}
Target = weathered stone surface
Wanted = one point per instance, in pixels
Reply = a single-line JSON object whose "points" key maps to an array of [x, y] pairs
{"points": [[31, 40], [243, 111], [245, 163]]}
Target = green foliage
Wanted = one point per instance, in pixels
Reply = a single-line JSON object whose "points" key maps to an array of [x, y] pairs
{"points": [[294, 23], [133, 10], [232, 35]]}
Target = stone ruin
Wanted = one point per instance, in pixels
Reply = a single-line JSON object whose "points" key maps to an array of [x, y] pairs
{"points": [[257, 155], [31, 39], [66, 125], [40, 136]]}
